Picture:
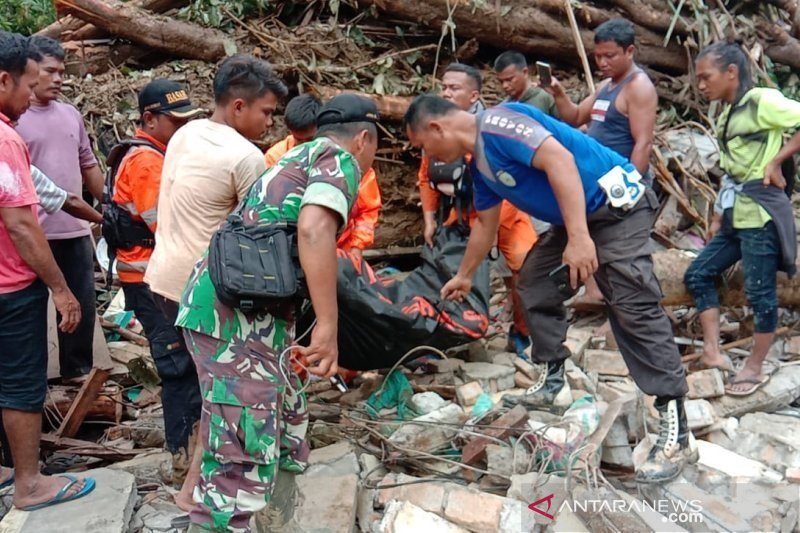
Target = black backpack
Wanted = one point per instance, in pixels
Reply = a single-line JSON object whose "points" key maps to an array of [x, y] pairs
{"points": [[119, 229]]}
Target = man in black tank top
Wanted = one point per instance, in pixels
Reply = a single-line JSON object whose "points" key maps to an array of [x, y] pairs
{"points": [[621, 114]]}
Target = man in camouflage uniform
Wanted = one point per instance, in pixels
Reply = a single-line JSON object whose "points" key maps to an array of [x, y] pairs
{"points": [[253, 421]]}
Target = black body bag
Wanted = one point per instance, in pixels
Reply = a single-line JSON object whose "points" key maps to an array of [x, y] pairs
{"points": [[256, 268]]}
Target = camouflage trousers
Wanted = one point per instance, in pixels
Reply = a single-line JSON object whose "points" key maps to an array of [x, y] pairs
{"points": [[251, 425]]}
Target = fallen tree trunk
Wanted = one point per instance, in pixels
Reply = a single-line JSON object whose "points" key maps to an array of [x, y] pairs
{"points": [[71, 28], [158, 32], [527, 28], [389, 107], [671, 265]]}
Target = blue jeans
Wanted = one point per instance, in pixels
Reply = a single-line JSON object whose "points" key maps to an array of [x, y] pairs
{"points": [[760, 252]]}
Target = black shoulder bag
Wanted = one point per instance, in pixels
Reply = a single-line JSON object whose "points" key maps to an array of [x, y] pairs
{"points": [[256, 268]]}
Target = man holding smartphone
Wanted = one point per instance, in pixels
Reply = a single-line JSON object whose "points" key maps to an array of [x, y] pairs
{"points": [[530, 159], [621, 114]]}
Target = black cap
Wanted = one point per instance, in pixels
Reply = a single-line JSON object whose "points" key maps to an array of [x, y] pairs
{"points": [[347, 107], [168, 97]]}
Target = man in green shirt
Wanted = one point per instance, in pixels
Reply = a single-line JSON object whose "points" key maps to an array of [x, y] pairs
{"points": [[254, 419], [511, 68]]}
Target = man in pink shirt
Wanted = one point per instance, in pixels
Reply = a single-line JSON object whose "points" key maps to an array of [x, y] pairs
{"points": [[27, 268], [59, 146]]}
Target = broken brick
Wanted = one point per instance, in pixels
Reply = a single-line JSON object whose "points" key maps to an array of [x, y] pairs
{"points": [[705, 384], [607, 362], [475, 450]]}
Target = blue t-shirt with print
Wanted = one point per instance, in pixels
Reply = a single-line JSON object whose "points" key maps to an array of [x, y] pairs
{"points": [[508, 137]]}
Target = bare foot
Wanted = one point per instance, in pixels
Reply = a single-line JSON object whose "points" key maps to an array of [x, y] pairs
{"points": [[185, 502], [43, 489], [714, 360], [745, 379]]}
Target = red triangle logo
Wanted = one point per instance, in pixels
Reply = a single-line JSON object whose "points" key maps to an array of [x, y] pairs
{"points": [[534, 506]]}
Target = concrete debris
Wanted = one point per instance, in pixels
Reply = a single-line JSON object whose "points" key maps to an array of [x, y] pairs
{"points": [[147, 468], [386, 474], [335, 460], [468, 393], [734, 465], [705, 384], [405, 517], [427, 402], [770, 439], [699, 413], [107, 509], [608, 362], [431, 431], [493, 378], [330, 505]]}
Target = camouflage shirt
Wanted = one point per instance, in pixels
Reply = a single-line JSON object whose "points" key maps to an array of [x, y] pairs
{"points": [[319, 172]]}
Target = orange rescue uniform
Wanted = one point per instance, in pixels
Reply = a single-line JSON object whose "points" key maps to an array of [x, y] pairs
{"points": [[360, 229], [515, 236], [136, 190]]}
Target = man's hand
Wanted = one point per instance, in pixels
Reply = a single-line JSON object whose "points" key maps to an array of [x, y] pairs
{"points": [[713, 229], [581, 256], [68, 307], [457, 288], [774, 176], [430, 230], [323, 352], [555, 89]]}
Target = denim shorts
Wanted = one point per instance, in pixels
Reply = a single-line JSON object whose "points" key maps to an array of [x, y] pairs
{"points": [[23, 348]]}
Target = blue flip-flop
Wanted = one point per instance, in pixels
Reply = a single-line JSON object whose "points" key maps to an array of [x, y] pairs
{"points": [[8, 482], [61, 496]]}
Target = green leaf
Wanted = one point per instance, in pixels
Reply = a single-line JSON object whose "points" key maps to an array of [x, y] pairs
{"points": [[505, 10]]}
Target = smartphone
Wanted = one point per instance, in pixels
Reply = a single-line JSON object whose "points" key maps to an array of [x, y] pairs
{"points": [[545, 74], [560, 276]]}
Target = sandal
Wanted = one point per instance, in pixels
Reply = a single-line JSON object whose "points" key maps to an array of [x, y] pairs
{"points": [[61, 496], [755, 382]]}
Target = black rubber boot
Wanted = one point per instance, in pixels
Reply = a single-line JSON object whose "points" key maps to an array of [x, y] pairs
{"points": [[675, 445]]}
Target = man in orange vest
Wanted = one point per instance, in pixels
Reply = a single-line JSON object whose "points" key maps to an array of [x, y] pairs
{"points": [[301, 119], [461, 84], [164, 106]]}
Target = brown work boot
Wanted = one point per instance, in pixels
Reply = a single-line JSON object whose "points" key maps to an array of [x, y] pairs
{"points": [[675, 445]]}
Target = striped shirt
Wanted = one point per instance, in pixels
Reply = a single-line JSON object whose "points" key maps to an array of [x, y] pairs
{"points": [[51, 196]]}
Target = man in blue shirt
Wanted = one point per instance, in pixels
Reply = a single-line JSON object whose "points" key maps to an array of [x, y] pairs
{"points": [[601, 214]]}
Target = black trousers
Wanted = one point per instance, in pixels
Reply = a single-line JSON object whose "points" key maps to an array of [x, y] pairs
{"points": [[630, 288], [180, 390], [75, 258]]}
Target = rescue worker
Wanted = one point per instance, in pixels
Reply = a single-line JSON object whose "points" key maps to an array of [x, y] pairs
{"points": [[753, 219], [254, 419], [164, 106], [601, 213], [445, 200], [359, 234]]}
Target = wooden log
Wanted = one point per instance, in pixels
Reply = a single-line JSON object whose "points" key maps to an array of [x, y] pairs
{"points": [[83, 403], [671, 265], [71, 28], [90, 449], [391, 108], [158, 32], [105, 407], [525, 27]]}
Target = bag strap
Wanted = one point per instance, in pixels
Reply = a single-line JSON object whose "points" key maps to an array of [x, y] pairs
{"points": [[117, 155]]}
